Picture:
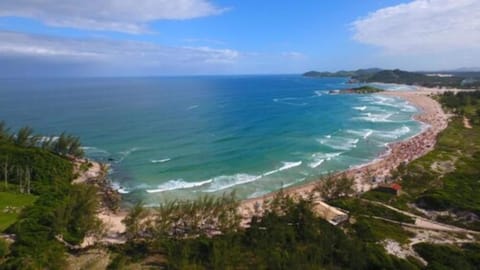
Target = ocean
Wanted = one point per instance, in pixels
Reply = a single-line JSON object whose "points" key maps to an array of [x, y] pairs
{"points": [[184, 137]]}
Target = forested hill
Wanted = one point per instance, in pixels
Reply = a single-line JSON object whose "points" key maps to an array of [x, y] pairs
{"points": [[459, 80]]}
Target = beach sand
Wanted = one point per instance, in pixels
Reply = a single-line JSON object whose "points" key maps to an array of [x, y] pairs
{"points": [[434, 120], [431, 115]]}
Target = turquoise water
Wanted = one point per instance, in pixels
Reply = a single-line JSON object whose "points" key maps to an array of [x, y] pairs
{"points": [[183, 137]]}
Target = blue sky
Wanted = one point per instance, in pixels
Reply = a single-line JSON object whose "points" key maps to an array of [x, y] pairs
{"points": [[185, 37]]}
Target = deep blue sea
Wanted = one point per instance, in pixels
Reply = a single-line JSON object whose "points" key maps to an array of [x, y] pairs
{"points": [[183, 137]]}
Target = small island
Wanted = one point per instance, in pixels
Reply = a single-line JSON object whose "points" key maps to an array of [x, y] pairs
{"points": [[358, 90]]}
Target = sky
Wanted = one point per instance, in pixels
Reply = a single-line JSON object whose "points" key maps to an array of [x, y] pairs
{"points": [[202, 37]]}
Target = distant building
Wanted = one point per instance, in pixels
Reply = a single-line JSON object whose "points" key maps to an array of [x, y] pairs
{"points": [[332, 214], [394, 188]]}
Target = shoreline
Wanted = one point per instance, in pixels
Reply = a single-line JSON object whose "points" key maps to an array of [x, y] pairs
{"points": [[430, 114]]}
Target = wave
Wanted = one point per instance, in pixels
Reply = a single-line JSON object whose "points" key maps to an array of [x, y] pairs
{"points": [[362, 108], [286, 166], [160, 160], [288, 101], [339, 143], [178, 184], [119, 188], [319, 158], [319, 93], [316, 163], [371, 117], [393, 134], [126, 153], [228, 181], [365, 133], [193, 107]]}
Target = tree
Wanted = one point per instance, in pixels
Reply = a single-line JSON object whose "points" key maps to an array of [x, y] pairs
{"points": [[333, 188], [135, 222]]}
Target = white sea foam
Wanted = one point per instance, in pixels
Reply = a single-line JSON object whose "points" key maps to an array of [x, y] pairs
{"points": [[393, 134], [178, 184], [339, 143], [160, 160], [193, 107], [319, 158], [119, 188], [290, 101], [362, 108], [93, 150], [228, 181], [319, 93], [126, 153], [376, 118], [364, 133], [316, 163], [286, 166]]}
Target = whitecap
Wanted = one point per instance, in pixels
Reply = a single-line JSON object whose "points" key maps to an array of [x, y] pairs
{"points": [[227, 181], [319, 158], [364, 133], [316, 163], [393, 134], [160, 160], [339, 143], [178, 184], [290, 101], [286, 166], [193, 107], [362, 108]]}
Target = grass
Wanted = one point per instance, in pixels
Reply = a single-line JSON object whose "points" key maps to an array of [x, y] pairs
{"points": [[11, 205]]}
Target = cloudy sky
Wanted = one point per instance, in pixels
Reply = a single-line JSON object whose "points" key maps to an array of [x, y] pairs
{"points": [[188, 37]]}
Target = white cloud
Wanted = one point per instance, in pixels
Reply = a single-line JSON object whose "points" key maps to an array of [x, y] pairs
{"points": [[116, 57], [423, 26], [130, 16]]}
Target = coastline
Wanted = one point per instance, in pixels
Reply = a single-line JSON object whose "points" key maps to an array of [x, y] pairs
{"points": [[430, 114]]}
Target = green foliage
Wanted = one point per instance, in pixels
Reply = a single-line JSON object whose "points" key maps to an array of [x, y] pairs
{"points": [[3, 249], [441, 257], [331, 188], [60, 209], [288, 236], [359, 207]]}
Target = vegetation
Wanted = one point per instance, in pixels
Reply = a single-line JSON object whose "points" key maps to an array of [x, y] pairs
{"points": [[459, 79], [362, 90], [287, 236], [37, 177], [446, 179], [442, 257]]}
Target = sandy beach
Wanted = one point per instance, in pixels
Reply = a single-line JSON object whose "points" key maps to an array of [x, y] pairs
{"points": [[369, 175], [430, 114]]}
